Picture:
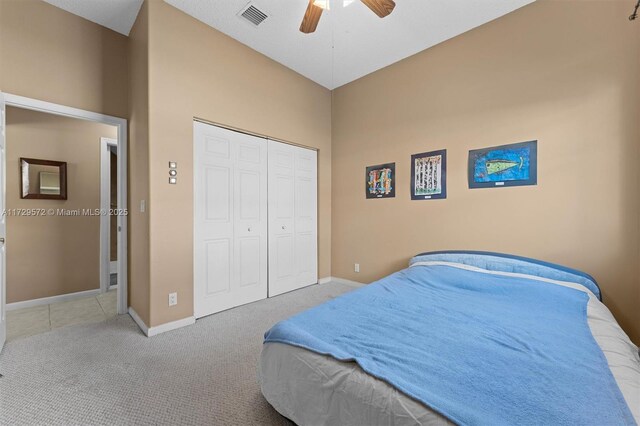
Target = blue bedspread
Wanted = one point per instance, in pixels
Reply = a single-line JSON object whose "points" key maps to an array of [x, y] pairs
{"points": [[480, 349]]}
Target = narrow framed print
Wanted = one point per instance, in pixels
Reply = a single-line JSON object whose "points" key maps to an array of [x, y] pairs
{"points": [[429, 175], [380, 181], [506, 165]]}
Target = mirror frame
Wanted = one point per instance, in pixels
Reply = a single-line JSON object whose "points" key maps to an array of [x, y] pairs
{"points": [[63, 179]]}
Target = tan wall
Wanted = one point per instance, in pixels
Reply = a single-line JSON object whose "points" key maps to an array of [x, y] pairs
{"points": [[53, 255], [52, 55], [139, 287], [552, 71], [196, 71]]}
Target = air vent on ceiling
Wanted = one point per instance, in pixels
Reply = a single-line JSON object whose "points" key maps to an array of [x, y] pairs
{"points": [[252, 14]]}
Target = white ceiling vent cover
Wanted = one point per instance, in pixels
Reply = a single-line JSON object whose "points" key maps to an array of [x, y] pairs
{"points": [[252, 14]]}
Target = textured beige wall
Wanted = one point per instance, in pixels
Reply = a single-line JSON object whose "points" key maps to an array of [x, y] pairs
{"points": [[139, 287], [196, 71], [52, 55], [53, 255], [564, 73]]}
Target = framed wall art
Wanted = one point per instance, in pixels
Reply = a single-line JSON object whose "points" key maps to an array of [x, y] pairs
{"points": [[429, 175], [505, 165], [380, 181]]}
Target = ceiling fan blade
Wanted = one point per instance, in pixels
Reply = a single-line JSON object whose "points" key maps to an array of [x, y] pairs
{"points": [[381, 8], [311, 18]]}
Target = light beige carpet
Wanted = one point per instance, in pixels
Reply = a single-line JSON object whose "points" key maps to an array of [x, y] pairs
{"points": [[109, 373]]}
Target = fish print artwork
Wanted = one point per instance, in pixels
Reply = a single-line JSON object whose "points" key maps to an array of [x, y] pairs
{"points": [[506, 165]]}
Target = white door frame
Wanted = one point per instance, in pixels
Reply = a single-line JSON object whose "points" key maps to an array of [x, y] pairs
{"points": [[121, 124], [3, 263], [105, 219]]}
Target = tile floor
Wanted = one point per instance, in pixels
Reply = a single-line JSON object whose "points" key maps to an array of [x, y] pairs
{"points": [[40, 319]]}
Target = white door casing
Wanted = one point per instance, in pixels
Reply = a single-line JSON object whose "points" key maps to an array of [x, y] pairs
{"points": [[3, 224], [293, 218], [105, 219], [230, 219]]}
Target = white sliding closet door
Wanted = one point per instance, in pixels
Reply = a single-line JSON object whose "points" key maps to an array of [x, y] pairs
{"points": [[293, 218], [230, 219]]}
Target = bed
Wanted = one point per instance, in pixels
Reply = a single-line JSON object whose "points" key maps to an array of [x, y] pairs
{"points": [[456, 338]]}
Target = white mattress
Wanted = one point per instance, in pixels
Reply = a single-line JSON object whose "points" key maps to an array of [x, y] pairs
{"points": [[313, 389]]}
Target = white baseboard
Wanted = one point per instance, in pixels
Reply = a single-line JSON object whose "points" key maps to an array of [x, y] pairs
{"points": [[163, 328], [136, 318], [324, 280], [344, 281], [52, 299]]}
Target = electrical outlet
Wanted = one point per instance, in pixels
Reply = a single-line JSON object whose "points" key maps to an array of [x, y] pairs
{"points": [[356, 267], [173, 299]]}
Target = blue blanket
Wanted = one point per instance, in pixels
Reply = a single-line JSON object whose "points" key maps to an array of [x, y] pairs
{"points": [[480, 349]]}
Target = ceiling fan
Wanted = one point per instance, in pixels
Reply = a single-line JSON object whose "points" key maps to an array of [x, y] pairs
{"points": [[315, 8]]}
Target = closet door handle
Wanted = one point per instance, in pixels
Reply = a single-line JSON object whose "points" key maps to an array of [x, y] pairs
{"points": [[249, 229], [284, 227]]}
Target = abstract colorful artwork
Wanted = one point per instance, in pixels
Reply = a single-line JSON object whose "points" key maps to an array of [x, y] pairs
{"points": [[506, 165], [381, 181], [429, 175]]}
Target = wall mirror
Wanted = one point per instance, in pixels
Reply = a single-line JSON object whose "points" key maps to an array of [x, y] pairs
{"points": [[43, 179]]}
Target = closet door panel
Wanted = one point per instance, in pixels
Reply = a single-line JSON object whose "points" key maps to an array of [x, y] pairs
{"points": [[218, 265], [306, 216], [251, 219], [217, 187], [292, 218], [230, 219], [282, 271]]}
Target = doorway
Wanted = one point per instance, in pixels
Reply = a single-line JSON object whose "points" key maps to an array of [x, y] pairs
{"points": [[110, 214], [109, 218]]}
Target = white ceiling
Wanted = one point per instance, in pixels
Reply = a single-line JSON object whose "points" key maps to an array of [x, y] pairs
{"points": [[118, 15], [362, 42], [350, 42]]}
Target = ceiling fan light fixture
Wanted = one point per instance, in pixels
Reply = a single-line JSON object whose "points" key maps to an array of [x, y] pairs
{"points": [[323, 4], [315, 8]]}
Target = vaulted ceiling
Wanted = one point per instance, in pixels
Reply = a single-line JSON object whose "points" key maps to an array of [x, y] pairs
{"points": [[350, 41]]}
